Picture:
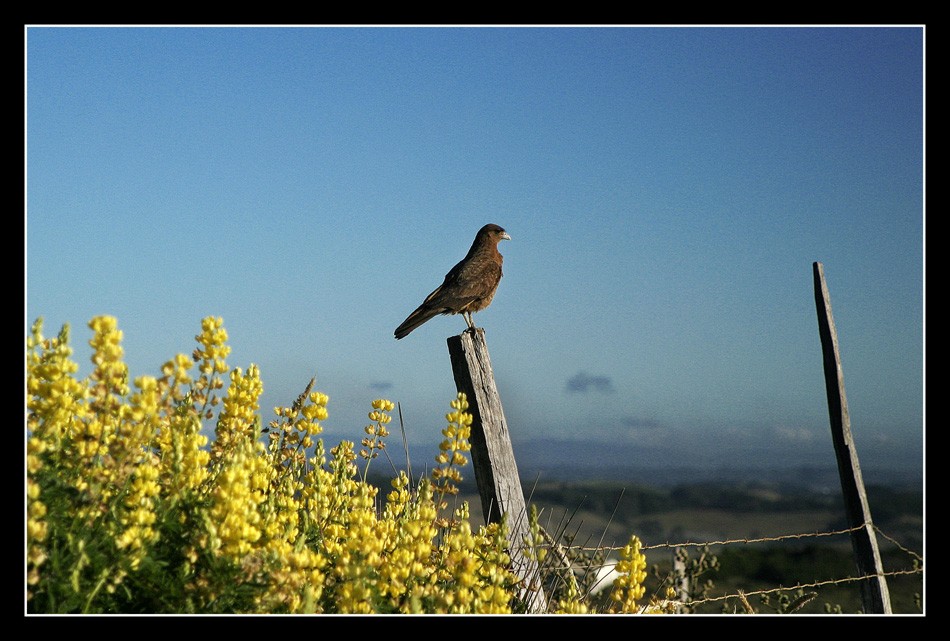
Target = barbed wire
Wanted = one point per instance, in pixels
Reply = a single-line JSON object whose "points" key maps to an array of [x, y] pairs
{"points": [[899, 546], [764, 539], [802, 586]]}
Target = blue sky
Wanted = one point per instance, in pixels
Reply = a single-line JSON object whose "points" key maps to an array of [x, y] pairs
{"points": [[666, 190]]}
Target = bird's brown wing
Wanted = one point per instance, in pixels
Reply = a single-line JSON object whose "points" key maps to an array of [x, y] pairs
{"points": [[470, 285]]}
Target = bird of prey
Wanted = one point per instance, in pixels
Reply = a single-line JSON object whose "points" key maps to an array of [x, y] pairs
{"points": [[468, 287]]}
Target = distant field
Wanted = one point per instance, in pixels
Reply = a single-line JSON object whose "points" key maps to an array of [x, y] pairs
{"points": [[605, 514]]}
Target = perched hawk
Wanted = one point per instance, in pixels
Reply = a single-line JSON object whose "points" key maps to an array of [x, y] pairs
{"points": [[468, 287]]}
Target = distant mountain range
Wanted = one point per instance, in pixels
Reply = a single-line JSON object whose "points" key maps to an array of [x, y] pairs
{"points": [[672, 465], [805, 466]]}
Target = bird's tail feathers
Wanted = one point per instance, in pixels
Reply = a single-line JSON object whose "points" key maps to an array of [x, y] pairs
{"points": [[416, 318]]}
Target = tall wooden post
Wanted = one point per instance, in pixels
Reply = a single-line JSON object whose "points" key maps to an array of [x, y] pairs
{"points": [[681, 581], [496, 472], [863, 540]]}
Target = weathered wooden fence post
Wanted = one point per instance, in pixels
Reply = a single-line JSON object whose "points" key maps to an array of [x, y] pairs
{"points": [[496, 472], [863, 540], [681, 581]]}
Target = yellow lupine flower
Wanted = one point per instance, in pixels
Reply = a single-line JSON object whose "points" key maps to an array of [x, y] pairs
{"points": [[177, 369], [184, 462], [238, 419], [234, 517], [110, 372], [54, 398], [214, 350], [628, 586]]}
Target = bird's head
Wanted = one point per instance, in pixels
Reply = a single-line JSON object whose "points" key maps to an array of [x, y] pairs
{"points": [[494, 232]]}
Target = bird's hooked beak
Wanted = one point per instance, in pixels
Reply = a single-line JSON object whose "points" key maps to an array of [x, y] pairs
{"points": [[505, 236]]}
